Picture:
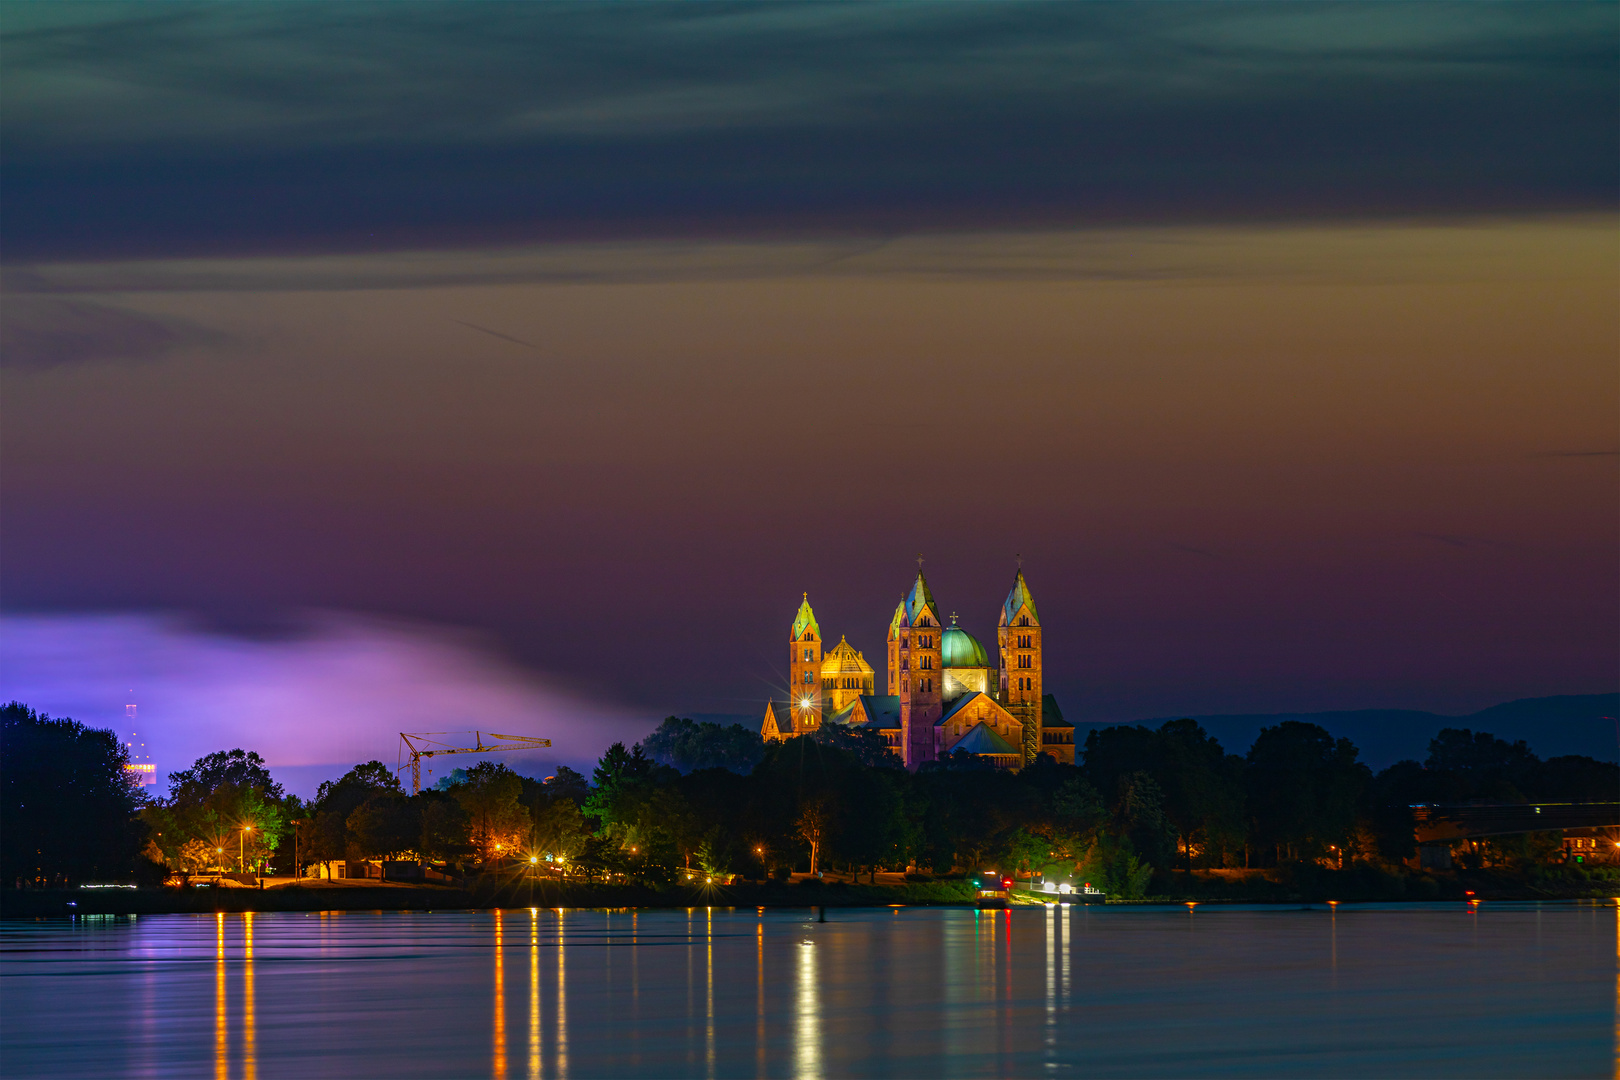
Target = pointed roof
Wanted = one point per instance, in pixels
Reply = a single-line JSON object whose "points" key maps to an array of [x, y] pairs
{"points": [[805, 619], [982, 740], [920, 600], [969, 698], [899, 618], [1019, 598], [844, 660]]}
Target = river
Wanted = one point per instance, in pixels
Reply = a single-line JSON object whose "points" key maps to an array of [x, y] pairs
{"points": [[1496, 989]]}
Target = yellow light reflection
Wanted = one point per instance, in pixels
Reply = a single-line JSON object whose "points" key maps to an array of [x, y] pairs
{"points": [[250, 1041], [708, 1040], [562, 1002], [807, 1034], [534, 992], [222, 1048], [1617, 989], [759, 1025], [498, 1064]]}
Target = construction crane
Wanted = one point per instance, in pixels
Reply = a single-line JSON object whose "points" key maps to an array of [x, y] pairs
{"points": [[425, 744]]}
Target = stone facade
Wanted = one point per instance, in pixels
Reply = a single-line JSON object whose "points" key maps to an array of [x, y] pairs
{"points": [[942, 694]]}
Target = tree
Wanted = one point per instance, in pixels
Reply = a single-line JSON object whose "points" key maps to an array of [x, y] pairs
{"points": [[224, 768], [388, 826], [335, 800], [1139, 818], [688, 746], [68, 807], [1461, 750], [1303, 790], [444, 827], [229, 802], [569, 784], [812, 824], [864, 744], [497, 823]]}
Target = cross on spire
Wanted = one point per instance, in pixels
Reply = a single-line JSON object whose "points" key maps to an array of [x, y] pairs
{"points": [[919, 562]]}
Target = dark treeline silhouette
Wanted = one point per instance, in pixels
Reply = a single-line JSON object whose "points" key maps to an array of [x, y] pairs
{"points": [[713, 800]]}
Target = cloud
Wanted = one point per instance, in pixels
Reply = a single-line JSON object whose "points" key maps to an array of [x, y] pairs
{"points": [[314, 698], [39, 332], [1555, 248], [295, 128]]}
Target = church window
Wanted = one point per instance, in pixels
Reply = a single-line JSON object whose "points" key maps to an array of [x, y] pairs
{"points": [[928, 663], [807, 656], [807, 678]]}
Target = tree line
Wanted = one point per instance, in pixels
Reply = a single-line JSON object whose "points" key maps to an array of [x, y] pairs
{"points": [[712, 799]]}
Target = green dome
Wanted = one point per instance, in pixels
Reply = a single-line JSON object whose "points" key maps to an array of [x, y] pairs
{"points": [[958, 648]]}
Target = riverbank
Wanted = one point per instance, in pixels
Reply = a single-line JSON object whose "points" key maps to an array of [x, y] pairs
{"points": [[1288, 885]]}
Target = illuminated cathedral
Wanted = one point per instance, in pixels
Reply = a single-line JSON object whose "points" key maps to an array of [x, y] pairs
{"points": [[943, 694]]}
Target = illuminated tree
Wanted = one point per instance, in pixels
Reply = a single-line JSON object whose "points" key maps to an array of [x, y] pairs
{"points": [[812, 824]]}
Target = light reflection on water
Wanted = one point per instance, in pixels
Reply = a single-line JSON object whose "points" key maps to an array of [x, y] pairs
{"points": [[1503, 989]]}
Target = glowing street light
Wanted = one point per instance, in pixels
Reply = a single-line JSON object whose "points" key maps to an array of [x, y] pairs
{"points": [[241, 849]]}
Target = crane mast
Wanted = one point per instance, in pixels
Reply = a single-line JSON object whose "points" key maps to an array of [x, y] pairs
{"points": [[426, 744]]}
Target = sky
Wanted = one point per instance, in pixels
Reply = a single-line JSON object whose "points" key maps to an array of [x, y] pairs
{"points": [[371, 368]]}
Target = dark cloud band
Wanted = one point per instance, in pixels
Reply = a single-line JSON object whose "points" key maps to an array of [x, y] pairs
{"points": [[278, 129]]}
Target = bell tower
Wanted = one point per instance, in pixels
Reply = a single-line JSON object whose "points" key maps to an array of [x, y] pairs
{"points": [[804, 669], [1018, 633], [921, 675]]}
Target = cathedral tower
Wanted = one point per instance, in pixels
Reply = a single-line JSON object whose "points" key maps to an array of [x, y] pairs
{"points": [[1018, 633], [897, 631], [804, 669], [921, 674]]}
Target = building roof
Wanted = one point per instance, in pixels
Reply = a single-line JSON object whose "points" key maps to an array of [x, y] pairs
{"points": [[982, 740], [844, 660], [920, 600], [1051, 715], [898, 620], [882, 710], [962, 702], [958, 648], [788, 719], [1017, 599], [805, 620]]}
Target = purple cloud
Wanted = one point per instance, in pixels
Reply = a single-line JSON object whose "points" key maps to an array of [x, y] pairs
{"points": [[336, 692]]}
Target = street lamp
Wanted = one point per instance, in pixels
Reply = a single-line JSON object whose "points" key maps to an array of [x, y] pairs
{"points": [[241, 849], [295, 823]]}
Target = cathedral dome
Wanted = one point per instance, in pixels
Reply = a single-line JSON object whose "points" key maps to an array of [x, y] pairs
{"points": [[958, 648]]}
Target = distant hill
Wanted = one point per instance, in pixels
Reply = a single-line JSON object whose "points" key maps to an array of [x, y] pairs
{"points": [[1553, 726]]}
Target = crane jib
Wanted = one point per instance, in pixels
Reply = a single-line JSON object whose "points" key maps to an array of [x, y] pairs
{"points": [[432, 747]]}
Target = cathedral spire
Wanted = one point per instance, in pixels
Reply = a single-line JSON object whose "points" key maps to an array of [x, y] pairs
{"points": [[1019, 600], [805, 620]]}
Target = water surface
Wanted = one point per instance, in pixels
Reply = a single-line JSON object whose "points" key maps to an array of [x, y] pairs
{"points": [[1410, 990]]}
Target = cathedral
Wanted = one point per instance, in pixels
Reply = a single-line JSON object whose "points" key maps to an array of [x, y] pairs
{"points": [[943, 694]]}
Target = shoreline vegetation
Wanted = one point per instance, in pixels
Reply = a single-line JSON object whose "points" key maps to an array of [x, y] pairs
{"points": [[705, 815]]}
